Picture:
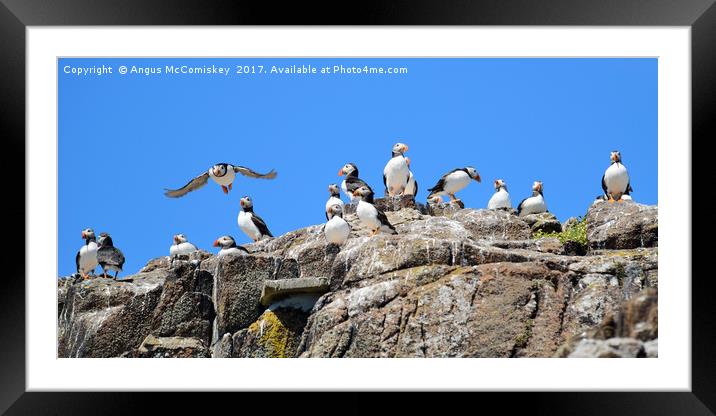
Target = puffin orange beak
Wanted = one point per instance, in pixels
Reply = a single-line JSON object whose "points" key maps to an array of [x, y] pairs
{"points": [[355, 193], [405, 148], [83, 234], [340, 172], [216, 243], [477, 178]]}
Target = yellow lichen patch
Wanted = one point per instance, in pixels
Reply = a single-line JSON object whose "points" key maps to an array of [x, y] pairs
{"points": [[272, 334]]}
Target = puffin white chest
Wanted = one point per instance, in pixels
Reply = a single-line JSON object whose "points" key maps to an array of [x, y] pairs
{"points": [[396, 175], [337, 230], [500, 199], [533, 205], [333, 201], [181, 249], [616, 178], [231, 251], [247, 225], [88, 257], [456, 181], [225, 180], [368, 215]]}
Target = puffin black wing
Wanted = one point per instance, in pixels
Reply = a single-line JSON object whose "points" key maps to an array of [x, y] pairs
{"points": [[242, 248], [253, 174], [441, 183], [261, 225], [110, 256], [193, 185], [77, 261], [628, 189], [384, 220], [353, 183], [604, 186], [385, 182], [519, 207], [416, 188]]}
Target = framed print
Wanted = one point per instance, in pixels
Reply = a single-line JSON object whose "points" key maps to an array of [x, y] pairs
{"points": [[236, 203]]}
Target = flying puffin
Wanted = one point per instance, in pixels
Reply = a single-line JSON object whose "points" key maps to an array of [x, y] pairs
{"points": [[335, 199], [181, 246], [86, 258], [500, 199], [251, 223], [369, 215], [228, 246], [336, 229], [108, 256], [352, 182], [615, 181], [221, 173], [454, 181], [534, 204], [397, 172]]}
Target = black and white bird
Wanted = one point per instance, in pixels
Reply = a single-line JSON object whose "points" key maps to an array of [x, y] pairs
{"points": [[373, 218], [397, 171], [109, 256], [229, 247], [352, 181], [615, 181], [336, 229], [534, 204], [412, 187], [86, 258], [454, 181], [221, 173], [334, 199], [250, 223], [501, 198], [181, 246]]}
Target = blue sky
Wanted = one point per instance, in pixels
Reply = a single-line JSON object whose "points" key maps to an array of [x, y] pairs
{"points": [[124, 138]]}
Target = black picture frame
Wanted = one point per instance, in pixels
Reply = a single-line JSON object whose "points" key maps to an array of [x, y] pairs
{"points": [[16, 15]]}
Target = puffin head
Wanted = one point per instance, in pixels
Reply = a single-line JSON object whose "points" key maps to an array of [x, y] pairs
{"points": [[225, 242], [336, 210], [499, 184], [616, 157], [104, 240], [363, 192], [537, 186], [87, 233], [333, 189], [473, 173], [246, 202], [219, 170], [347, 169], [179, 238], [435, 200], [399, 149]]}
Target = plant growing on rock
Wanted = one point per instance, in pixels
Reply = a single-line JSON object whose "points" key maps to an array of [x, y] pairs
{"points": [[574, 237]]}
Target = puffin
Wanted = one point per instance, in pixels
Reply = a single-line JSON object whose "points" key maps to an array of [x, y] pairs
{"points": [[372, 217], [397, 172], [221, 173], [334, 199], [228, 246], [454, 181], [181, 246], [109, 256], [250, 223], [352, 182], [615, 181], [501, 198], [336, 229], [534, 204], [86, 258]]}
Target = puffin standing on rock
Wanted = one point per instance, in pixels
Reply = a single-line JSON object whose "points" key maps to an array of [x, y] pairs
{"points": [[337, 229], [228, 246], [108, 256], [334, 199], [454, 181], [181, 246], [352, 182], [86, 258], [534, 204], [373, 218], [501, 198], [250, 223], [615, 181], [396, 173], [221, 173]]}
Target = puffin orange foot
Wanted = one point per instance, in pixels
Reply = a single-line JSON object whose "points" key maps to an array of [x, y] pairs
{"points": [[225, 189], [230, 185]]}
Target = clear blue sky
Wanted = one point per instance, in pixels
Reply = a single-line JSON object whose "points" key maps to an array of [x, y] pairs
{"points": [[124, 138]]}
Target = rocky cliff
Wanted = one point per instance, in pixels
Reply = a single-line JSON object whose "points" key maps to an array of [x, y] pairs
{"points": [[453, 283]]}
